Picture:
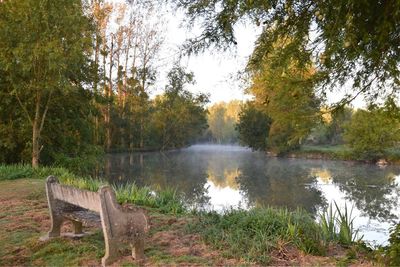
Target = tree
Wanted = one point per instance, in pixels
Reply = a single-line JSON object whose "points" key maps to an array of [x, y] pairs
{"points": [[44, 46], [253, 127], [129, 47], [179, 117], [283, 88], [354, 40], [370, 132]]}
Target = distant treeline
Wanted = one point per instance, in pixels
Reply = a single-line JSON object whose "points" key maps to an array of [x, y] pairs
{"points": [[368, 133], [222, 118]]}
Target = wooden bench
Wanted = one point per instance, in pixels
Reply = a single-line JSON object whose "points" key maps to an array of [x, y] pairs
{"points": [[96, 209]]}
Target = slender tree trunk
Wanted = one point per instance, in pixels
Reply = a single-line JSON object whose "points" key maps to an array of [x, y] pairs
{"points": [[37, 127], [124, 90], [131, 143], [35, 145], [96, 62], [109, 93], [141, 132]]}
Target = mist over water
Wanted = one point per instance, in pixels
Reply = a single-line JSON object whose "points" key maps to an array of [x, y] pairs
{"points": [[222, 176]]}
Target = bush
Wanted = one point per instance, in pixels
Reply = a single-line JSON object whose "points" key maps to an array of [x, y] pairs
{"points": [[370, 132]]}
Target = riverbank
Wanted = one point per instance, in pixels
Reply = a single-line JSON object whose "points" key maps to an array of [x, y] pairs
{"points": [[177, 236], [341, 152]]}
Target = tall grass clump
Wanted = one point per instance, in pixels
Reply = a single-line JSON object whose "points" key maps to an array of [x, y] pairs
{"points": [[252, 235], [338, 225], [131, 193], [87, 183], [167, 200], [20, 171]]}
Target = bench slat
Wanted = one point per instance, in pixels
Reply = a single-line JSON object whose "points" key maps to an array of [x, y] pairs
{"points": [[82, 198]]}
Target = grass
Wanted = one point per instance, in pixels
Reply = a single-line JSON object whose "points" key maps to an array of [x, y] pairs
{"points": [[19, 171], [166, 243], [338, 225], [342, 152], [167, 200], [253, 235]]}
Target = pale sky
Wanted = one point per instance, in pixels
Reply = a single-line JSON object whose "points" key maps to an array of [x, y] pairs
{"points": [[215, 72]]}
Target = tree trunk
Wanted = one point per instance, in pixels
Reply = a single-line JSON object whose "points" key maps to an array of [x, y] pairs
{"points": [[37, 127], [109, 93], [35, 146]]}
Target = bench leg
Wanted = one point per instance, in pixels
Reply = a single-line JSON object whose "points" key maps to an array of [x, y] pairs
{"points": [[111, 253], [77, 227], [138, 250], [56, 223]]}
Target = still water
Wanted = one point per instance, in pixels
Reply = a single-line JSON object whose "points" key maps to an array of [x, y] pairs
{"points": [[219, 177]]}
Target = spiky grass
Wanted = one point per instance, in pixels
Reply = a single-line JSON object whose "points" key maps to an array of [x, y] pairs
{"points": [[338, 225]]}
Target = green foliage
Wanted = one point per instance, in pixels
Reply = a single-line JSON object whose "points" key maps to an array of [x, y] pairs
{"points": [[44, 61], [392, 251], [370, 132], [179, 116], [350, 40], [283, 88], [327, 221], [252, 235], [85, 163], [336, 127], [253, 127], [347, 233]]}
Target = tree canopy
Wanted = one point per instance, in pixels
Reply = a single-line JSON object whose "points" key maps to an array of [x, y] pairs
{"points": [[350, 41], [44, 49]]}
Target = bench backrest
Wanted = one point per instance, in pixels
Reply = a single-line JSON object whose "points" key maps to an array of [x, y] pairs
{"points": [[82, 198]]}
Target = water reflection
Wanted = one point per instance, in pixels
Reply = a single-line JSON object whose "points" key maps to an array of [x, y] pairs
{"points": [[218, 177]]}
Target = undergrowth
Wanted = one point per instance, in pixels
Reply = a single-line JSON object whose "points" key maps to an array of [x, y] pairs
{"points": [[252, 235]]}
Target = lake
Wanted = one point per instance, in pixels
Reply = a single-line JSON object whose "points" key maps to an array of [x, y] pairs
{"points": [[220, 177]]}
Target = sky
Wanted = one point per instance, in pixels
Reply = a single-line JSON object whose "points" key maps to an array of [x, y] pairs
{"points": [[215, 72]]}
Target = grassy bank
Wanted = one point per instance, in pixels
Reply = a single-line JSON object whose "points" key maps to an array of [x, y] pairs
{"points": [[177, 236], [167, 200], [342, 152]]}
